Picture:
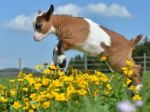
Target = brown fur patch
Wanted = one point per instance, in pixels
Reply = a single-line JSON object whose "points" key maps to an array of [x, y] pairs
{"points": [[73, 30]]}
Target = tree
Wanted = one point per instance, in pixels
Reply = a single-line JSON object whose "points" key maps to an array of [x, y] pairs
{"points": [[143, 47]]}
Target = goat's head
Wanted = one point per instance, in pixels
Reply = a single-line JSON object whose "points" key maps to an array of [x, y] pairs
{"points": [[43, 24]]}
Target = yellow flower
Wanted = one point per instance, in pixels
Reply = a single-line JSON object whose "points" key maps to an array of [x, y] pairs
{"points": [[60, 73], [103, 58], [128, 81], [45, 81], [129, 63], [108, 86], [2, 87], [31, 80], [82, 92], [36, 105], [17, 105], [20, 80], [61, 97], [46, 71], [25, 89], [49, 95], [52, 67], [31, 110], [136, 97], [66, 78], [3, 100], [27, 105], [46, 104], [56, 83], [70, 90], [33, 96], [12, 92], [12, 81], [127, 71], [107, 92], [96, 92], [37, 86], [132, 88], [38, 67]]}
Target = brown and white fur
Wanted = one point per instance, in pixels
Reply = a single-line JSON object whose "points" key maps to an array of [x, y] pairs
{"points": [[87, 36]]}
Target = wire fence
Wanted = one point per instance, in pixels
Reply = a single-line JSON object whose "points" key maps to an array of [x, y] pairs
{"points": [[90, 63], [93, 63]]}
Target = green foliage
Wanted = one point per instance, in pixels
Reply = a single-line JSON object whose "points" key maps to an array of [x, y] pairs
{"points": [[100, 103], [143, 47]]}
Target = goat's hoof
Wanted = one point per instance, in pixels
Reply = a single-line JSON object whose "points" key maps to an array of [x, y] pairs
{"points": [[63, 64]]}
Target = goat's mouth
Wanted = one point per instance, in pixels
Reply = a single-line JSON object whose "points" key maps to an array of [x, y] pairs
{"points": [[38, 36]]}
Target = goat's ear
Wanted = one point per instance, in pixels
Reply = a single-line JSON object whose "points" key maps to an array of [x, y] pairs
{"points": [[49, 12], [136, 40], [40, 11]]}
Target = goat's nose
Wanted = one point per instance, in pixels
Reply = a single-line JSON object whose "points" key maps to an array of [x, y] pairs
{"points": [[35, 38]]}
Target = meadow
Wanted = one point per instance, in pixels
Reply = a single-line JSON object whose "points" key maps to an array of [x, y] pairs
{"points": [[52, 90]]}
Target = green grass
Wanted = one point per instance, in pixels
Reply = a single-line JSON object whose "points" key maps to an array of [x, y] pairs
{"points": [[146, 92], [5, 79]]}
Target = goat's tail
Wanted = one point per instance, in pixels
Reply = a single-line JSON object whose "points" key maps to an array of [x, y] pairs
{"points": [[136, 40]]}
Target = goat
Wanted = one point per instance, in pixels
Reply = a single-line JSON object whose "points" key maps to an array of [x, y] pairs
{"points": [[87, 36]]}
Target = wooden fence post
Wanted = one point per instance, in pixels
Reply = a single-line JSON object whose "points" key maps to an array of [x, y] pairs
{"points": [[144, 62], [85, 62]]}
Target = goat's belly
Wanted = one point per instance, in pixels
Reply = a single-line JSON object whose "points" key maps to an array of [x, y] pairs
{"points": [[92, 49]]}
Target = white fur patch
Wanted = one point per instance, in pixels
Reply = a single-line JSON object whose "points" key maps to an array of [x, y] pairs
{"points": [[139, 87], [40, 14], [61, 59], [96, 36], [52, 30]]}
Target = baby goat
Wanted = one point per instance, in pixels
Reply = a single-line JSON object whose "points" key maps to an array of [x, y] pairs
{"points": [[87, 36]]}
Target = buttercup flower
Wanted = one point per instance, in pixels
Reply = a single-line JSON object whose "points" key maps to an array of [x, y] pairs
{"points": [[38, 67], [103, 58], [12, 81], [46, 104], [137, 97], [2, 99], [129, 63], [52, 67], [17, 105], [12, 92]]}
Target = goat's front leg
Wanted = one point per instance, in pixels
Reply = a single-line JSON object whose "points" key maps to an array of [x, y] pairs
{"points": [[59, 57], [54, 58]]}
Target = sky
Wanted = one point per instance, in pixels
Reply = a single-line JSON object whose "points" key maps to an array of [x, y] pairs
{"points": [[127, 17]]}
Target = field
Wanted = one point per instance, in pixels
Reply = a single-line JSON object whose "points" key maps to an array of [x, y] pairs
{"points": [[81, 92]]}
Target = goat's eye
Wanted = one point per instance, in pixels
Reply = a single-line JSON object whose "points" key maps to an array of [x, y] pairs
{"points": [[38, 26]]}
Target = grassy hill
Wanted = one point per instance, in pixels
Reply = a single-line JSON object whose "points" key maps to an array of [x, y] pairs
{"points": [[13, 71]]}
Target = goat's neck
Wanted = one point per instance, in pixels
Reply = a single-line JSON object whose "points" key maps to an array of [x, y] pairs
{"points": [[59, 23]]}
